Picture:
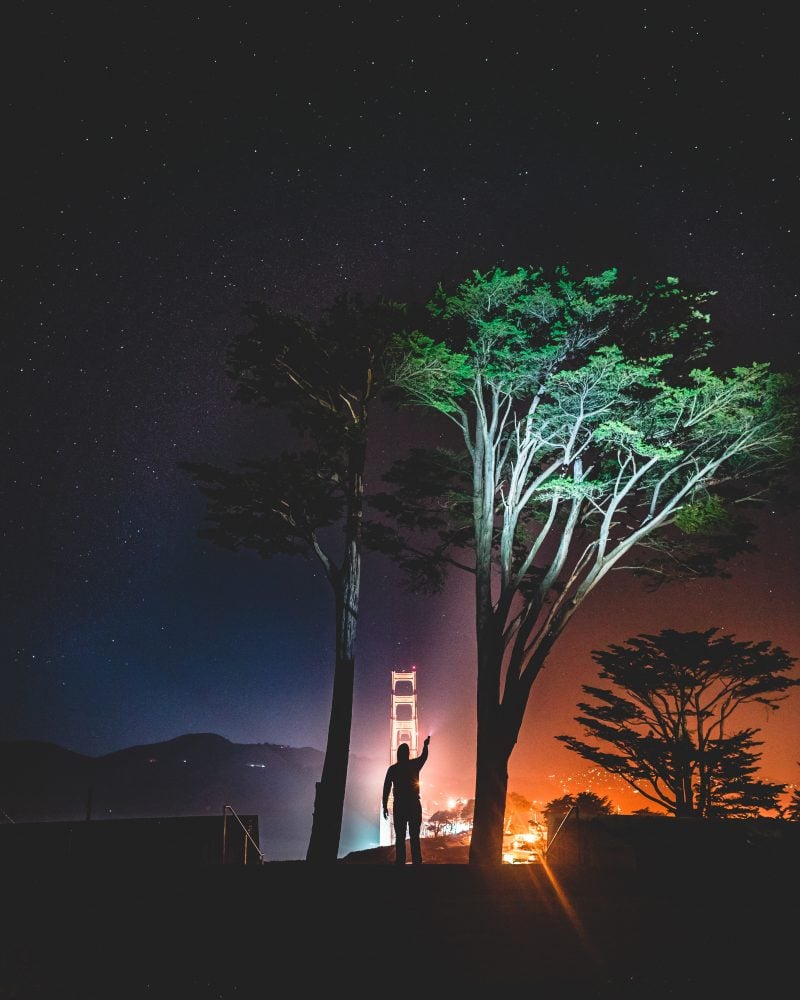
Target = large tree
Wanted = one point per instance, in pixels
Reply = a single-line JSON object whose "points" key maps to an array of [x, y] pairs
{"points": [[591, 441], [665, 726], [310, 502]]}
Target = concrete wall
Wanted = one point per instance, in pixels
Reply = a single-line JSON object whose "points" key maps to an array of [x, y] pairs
{"points": [[637, 842], [184, 840]]}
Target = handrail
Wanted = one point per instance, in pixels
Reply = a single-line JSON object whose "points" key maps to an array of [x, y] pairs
{"points": [[248, 837], [563, 821]]}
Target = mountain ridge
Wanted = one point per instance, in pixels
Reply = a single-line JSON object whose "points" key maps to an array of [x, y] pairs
{"points": [[194, 774]]}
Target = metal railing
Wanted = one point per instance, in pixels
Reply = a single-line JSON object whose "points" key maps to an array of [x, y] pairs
{"points": [[248, 839], [550, 840]]}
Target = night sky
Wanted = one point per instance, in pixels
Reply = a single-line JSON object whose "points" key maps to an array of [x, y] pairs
{"points": [[166, 164]]}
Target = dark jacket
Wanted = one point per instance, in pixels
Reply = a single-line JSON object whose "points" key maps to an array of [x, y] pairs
{"points": [[403, 776]]}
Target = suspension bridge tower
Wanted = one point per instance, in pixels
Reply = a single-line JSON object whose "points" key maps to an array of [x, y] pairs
{"points": [[404, 729]]}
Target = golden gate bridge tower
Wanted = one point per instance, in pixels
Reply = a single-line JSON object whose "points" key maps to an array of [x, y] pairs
{"points": [[404, 725]]}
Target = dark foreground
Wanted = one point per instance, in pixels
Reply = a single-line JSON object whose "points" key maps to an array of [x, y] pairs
{"points": [[289, 928]]}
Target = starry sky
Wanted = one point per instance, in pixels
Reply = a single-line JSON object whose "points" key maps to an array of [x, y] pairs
{"points": [[166, 164]]}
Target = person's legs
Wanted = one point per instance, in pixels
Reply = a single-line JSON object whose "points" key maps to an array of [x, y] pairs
{"points": [[414, 827], [400, 823]]}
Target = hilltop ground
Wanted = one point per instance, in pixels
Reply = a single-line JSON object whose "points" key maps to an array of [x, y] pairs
{"points": [[451, 850], [364, 926]]}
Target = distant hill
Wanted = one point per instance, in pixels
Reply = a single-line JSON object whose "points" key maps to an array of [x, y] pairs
{"points": [[192, 775]]}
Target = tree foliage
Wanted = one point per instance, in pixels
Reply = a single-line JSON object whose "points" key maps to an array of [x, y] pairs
{"points": [[586, 804], [518, 813], [449, 821], [442, 822], [793, 809], [665, 726], [593, 440]]}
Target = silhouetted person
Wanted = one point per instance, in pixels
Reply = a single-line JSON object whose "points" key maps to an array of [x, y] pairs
{"points": [[403, 778]]}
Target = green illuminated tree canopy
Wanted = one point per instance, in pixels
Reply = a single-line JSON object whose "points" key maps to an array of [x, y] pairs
{"points": [[593, 439]]}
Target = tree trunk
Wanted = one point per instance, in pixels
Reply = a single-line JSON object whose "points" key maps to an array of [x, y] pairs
{"points": [[326, 824], [491, 786], [493, 746], [499, 723]]}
